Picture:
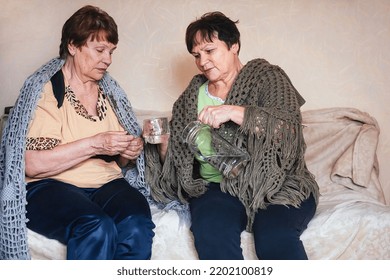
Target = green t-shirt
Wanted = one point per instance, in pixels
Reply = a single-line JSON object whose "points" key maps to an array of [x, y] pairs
{"points": [[207, 171]]}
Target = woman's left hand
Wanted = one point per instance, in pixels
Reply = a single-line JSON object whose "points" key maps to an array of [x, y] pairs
{"points": [[133, 149], [214, 116]]}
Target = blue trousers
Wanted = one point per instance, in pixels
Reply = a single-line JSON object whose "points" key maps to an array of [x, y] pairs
{"points": [[111, 222], [218, 220]]}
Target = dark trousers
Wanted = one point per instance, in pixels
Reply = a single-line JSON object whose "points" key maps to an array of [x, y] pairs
{"points": [[218, 220], [111, 222]]}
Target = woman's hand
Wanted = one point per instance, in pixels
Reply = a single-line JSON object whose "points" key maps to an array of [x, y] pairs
{"points": [[114, 142], [39, 163], [129, 147], [133, 149], [214, 116]]}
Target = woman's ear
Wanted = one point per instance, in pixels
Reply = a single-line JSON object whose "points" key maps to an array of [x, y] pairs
{"points": [[71, 49], [235, 48]]}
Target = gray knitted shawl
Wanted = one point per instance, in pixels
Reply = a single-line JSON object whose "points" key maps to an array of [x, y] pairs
{"points": [[13, 230], [271, 133]]}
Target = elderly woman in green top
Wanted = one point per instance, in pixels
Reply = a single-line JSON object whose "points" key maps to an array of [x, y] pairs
{"points": [[255, 107]]}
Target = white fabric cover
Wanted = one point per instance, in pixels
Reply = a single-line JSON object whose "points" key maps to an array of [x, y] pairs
{"points": [[351, 222]]}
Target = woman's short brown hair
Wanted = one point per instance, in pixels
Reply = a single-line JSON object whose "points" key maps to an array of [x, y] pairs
{"points": [[87, 21], [210, 25]]}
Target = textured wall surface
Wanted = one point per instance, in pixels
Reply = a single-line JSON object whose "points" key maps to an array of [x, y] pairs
{"points": [[336, 52]]}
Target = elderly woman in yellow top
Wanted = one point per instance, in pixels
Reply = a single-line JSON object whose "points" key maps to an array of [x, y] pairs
{"points": [[81, 138]]}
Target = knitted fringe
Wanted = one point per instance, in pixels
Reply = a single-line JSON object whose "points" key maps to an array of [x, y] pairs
{"points": [[277, 148]]}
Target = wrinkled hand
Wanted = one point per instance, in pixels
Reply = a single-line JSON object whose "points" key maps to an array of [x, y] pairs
{"points": [[214, 116], [118, 142], [134, 149]]}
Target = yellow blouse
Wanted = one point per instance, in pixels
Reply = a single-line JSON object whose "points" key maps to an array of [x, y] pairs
{"points": [[52, 126]]}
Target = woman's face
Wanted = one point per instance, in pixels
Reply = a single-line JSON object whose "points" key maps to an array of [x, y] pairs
{"points": [[214, 59], [92, 60]]}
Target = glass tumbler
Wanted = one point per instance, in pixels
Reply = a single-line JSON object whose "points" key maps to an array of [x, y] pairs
{"points": [[211, 147], [155, 129]]}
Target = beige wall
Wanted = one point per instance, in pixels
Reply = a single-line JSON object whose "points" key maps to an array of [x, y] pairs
{"points": [[335, 51]]}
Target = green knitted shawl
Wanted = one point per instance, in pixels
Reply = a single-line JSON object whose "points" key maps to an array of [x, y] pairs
{"points": [[271, 133]]}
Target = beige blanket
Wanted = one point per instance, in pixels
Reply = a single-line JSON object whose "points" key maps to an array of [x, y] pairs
{"points": [[341, 150]]}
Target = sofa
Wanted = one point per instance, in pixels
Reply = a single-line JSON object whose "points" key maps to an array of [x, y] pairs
{"points": [[352, 220]]}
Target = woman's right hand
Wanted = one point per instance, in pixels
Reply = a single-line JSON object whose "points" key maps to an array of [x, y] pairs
{"points": [[214, 116]]}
